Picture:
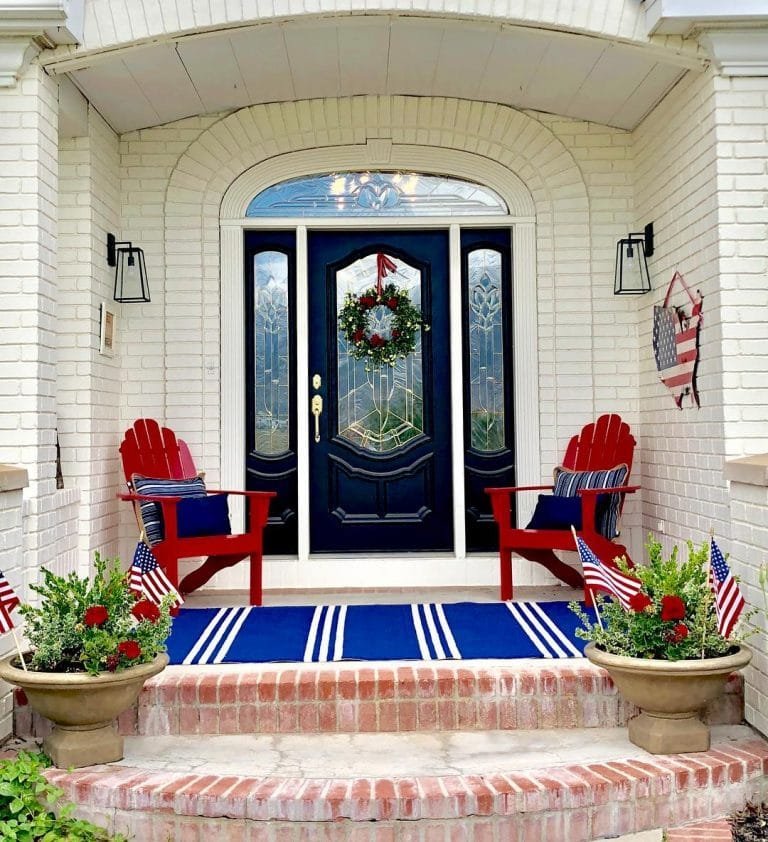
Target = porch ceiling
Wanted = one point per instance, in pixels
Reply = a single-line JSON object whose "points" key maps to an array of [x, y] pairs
{"points": [[569, 74]]}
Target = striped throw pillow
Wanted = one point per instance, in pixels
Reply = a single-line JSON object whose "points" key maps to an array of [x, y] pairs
{"points": [[568, 483], [151, 513]]}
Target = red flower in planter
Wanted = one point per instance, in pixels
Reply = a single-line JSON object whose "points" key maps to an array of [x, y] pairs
{"points": [[96, 615], [672, 608], [130, 649], [679, 633], [639, 602], [112, 662], [146, 610], [367, 301], [358, 335]]}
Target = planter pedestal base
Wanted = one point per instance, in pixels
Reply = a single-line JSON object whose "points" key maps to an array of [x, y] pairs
{"points": [[660, 734], [75, 747]]}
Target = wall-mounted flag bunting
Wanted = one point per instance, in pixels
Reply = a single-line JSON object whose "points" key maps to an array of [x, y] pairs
{"points": [[676, 343]]}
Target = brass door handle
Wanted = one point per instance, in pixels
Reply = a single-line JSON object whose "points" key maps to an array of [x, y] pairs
{"points": [[317, 411]]}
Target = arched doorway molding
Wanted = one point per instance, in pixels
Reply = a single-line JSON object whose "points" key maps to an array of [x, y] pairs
{"points": [[251, 149]]}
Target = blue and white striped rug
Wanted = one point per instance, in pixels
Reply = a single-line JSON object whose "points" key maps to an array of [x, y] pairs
{"points": [[422, 631]]}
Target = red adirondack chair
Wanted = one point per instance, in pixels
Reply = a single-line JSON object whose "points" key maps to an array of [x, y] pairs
{"points": [[154, 451], [600, 446]]}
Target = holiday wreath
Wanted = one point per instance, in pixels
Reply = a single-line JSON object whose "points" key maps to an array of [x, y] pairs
{"points": [[381, 324]]}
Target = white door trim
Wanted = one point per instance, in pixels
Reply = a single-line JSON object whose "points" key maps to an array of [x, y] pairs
{"points": [[323, 571]]}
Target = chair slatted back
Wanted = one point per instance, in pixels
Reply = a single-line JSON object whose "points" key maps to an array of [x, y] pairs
{"points": [[601, 445], [154, 451]]}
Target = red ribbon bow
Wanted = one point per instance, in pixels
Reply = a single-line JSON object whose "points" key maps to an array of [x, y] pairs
{"points": [[384, 266]]}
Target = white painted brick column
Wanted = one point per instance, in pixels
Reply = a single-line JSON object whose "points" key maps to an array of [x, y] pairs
{"points": [[13, 480], [28, 328], [749, 549]]}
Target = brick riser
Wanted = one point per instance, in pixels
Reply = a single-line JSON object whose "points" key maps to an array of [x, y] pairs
{"points": [[574, 802], [295, 700]]}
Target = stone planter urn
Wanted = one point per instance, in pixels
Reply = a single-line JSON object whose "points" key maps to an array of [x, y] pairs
{"points": [[82, 707], [670, 695]]}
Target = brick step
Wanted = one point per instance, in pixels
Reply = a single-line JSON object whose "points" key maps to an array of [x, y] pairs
{"points": [[383, 698], [523, 786]]}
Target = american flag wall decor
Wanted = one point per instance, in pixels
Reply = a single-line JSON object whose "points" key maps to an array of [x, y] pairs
{"points": [[676, 343]]}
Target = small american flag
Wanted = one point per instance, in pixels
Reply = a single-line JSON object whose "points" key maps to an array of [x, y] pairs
{"points": [[147, 576], [8, 601], [729, 603], [675, 346], [599, 575]]}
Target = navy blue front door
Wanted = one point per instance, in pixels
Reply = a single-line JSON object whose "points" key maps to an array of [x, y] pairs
{"points": [[380, 447]]}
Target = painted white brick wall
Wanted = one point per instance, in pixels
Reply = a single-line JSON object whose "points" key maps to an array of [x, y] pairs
{"points": [[28, 329], [676, 188], [88, 383], [741, 138]]}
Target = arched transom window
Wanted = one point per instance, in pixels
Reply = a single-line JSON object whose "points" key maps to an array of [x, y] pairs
{"points": [[365, 194]]}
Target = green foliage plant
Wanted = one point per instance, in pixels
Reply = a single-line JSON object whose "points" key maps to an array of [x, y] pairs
{"points": [[31, 809], [673, 618], [93, 625]]}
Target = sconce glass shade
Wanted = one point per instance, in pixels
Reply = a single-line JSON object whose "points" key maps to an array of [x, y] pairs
{"points": [[131, 284], [631, 275]]}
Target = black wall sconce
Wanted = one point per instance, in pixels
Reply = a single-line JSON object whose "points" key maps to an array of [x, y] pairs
{"points": [[631, 276], [131, 282]]}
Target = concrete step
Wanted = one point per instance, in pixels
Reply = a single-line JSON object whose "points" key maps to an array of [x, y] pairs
{"points": [[380, 698], [545, 785]]}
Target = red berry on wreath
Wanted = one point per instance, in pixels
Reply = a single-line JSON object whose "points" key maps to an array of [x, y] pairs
{"points": [[377, 341], [395, 334], [392, 303], [367, 301], [358, 335]]}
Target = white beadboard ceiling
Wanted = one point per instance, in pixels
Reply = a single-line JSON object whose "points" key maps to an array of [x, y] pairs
{"points": [[568, 74]]}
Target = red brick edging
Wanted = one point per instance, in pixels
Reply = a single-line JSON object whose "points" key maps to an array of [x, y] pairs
{"points": [[583, 801]]}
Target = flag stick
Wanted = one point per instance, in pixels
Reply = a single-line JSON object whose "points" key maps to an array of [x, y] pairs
{"points": [[18, 649], [586, 586], [708, 574]]}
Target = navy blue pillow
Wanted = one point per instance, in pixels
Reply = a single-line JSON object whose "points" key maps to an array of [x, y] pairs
{"points": [[198, 516], [554, 512]]}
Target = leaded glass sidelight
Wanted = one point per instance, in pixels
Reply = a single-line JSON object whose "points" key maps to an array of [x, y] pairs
{"points": [[486, 352], [380, 406], [271, 373]]}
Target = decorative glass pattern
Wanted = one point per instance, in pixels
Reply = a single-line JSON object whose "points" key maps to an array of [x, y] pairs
{"points": [[376, 194], [486, 351], [380, 406], [271, 376]]}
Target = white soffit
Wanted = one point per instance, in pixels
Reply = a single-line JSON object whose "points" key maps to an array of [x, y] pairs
{"points": [[574, 75]]}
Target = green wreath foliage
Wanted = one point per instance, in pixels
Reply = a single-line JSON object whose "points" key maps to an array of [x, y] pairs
{"points": [[364, 344]]}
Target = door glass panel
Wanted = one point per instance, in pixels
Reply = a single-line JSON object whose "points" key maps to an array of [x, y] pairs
{"points": [[486, 351], [376, 194], [271, 374], [380, 407]]}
